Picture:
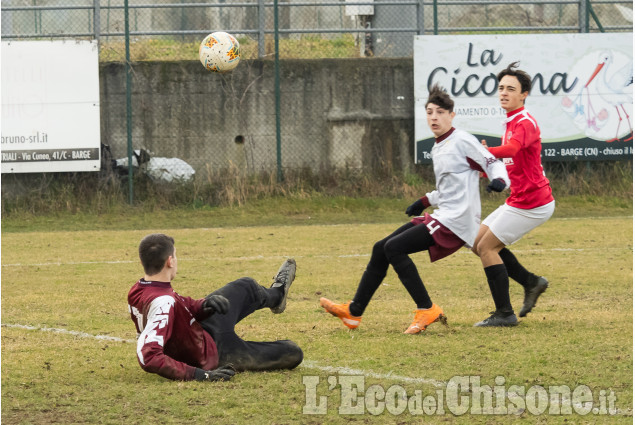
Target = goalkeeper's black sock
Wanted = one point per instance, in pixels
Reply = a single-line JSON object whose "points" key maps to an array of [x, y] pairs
{"points": [[367, 286], [279, 289], [275, 295], [516, 271], [272, 296], [498, 281]]}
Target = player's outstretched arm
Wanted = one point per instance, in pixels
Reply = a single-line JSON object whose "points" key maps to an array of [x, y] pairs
{"points": [[418, 206], [496, 185], [493, 168], [215, 304], [508, 150], [223, 373]]}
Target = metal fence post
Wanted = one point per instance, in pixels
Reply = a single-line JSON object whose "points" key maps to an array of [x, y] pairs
{"points": [[128, 100], [97, 19], [583, 16], [420, 21], [277, 90], [35, 13], [435, 17], [261, 28]]}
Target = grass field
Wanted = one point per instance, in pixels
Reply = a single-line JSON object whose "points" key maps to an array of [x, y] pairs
{"points": [[71, 286]]}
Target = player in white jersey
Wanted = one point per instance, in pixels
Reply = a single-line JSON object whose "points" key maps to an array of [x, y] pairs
{"points": [[457, 157]]}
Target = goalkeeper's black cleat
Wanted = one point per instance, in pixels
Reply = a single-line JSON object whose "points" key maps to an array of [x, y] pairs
{"points": [[284, 278], [498, 319], [532, 294]]}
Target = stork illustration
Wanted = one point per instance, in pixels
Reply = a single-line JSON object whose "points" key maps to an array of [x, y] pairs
{"points": [[613, 89]]}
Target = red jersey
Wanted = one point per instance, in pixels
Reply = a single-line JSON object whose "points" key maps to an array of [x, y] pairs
{"points": [[529, 185], [171, 342]]}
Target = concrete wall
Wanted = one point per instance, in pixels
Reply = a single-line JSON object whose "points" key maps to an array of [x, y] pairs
{"points": [[334, 113]]}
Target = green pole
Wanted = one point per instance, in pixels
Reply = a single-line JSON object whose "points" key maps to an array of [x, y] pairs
{"points": [[594, 16], [35, 12], [435, 17], [276, 67], [128, 101]]}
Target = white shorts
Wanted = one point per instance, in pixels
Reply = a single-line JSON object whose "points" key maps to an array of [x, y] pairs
{"points": [[509, 224]]}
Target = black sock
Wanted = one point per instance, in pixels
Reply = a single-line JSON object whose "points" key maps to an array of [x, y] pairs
{"points": [[498, 281], [367, 286], [516, 271], [409, 276], [274, 296]]}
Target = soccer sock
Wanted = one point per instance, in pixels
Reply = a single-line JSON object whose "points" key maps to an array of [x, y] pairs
{"points": [[516, 271], [274, 296], [367, 286], [498, 281], [409, 276]]}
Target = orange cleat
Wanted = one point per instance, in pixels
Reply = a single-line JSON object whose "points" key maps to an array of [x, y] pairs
{"points": [[341, 311], [424, 318]]}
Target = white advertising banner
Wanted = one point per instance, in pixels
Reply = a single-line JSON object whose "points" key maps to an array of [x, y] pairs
{"points": [[50, 106], [581, 97]]}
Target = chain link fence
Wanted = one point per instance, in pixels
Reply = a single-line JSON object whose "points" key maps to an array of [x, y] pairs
{"points": [[382, 28], [333, 113]]}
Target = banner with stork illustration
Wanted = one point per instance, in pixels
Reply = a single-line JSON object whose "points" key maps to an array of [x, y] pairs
{"points": [[581, 96]]}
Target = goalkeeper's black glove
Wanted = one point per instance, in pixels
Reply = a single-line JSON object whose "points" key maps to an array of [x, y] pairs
{"points": [[215, 304], [496, 185], [418, 206], [223, 373]]}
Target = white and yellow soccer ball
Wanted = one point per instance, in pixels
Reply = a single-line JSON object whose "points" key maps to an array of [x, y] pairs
{"points": [[219, 52]]}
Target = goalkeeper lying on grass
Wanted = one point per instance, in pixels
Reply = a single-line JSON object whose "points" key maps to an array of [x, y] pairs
{"points": [[185, 339]]}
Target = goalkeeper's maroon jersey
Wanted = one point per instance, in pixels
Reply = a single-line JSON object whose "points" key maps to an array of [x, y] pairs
{"points": [[171, 342]]}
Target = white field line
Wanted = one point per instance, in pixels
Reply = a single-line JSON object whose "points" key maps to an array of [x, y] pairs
{"points": [[309, 364], [279, 257], [66, 331]]}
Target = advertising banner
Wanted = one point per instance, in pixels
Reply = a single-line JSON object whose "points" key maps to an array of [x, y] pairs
{"points": [[581, 97], [50, 106]]}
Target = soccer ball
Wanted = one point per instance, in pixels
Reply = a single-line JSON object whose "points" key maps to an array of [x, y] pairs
{"points": [[219, 52]]}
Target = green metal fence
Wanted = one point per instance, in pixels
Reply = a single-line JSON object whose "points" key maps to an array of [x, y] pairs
{"points": [[379, 28], [134, 32]]}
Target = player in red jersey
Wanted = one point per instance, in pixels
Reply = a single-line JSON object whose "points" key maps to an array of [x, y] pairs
{"points": [[529, 205], [194, 339]]}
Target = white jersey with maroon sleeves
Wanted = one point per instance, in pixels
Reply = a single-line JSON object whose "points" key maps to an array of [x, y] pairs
{"points": [[458, 157], [171, 342]]}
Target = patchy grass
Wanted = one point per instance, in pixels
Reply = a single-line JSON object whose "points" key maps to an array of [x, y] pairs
{"points": [[71, 201], [164, 49], [276, 211], [579, 334]]}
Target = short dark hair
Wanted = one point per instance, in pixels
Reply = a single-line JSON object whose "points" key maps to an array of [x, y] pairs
{"points": [[154, 251], [439, 97], [523, 78]]}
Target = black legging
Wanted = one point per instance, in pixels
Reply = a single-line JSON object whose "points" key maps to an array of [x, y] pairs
{"points": [[245, 296], [393, 250]]}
